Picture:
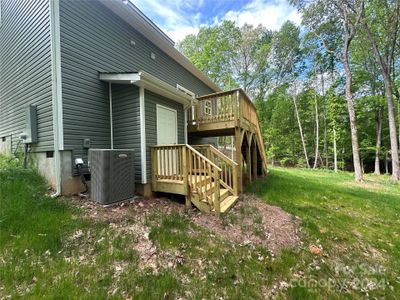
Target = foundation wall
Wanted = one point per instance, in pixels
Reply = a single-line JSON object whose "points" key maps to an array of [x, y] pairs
{"points": [[5, 145], [71, 185]]}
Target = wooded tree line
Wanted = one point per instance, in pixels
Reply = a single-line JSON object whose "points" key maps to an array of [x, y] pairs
{"points": [[327, 92]]}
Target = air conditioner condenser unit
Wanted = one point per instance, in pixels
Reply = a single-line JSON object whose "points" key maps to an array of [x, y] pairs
{"points": [[112, 175]]}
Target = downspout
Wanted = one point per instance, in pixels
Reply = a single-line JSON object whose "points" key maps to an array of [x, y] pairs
{"points": [[56, 93], [185, 132], [111, 115]]}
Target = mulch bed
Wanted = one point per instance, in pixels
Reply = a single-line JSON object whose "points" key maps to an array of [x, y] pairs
{"points": [[250, 222]]}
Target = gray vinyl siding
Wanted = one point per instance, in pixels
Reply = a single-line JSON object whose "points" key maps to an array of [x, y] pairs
{"points": [[198, 140], [126, 122], [25, 69], [151, 100], [93, 40]]}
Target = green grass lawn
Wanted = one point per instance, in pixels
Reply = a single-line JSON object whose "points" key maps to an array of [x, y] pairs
{"points": [[50, 249]]}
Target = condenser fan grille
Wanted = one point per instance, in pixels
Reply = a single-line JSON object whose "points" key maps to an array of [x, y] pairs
{"points": [[112, 175]]}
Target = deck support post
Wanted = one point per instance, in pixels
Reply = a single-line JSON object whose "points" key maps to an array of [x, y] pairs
{"points": [[255, 162], [217, 202], [188, 202], [248, 161], [184, 170], [154, 171], [238, 147]]}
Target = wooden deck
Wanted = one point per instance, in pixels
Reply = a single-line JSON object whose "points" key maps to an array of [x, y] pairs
{"points": [[205, 176], [231, 113]]}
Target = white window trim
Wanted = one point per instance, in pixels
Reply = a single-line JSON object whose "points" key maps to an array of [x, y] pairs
{"points": [[208, 107]]}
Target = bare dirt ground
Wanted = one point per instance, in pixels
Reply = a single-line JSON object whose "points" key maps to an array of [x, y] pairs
{"points": [[250, 222]]}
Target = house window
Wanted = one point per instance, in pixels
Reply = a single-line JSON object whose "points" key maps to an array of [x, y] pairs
{"points": [[207, 108]]}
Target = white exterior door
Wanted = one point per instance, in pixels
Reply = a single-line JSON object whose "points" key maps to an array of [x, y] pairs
{"points": [[167, 134], [167, 126]]}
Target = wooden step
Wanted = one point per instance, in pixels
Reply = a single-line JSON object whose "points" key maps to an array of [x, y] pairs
{"points": [[227, 204], [202, 205], [199, 179], [223, 193]]}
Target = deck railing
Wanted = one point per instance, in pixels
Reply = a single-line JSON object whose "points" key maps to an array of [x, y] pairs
{"points": [[219, 107], [188, 169], [229, 178], [232, 106], [168, 162]]}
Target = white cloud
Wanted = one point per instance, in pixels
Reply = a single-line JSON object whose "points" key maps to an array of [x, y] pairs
{"points": [[178, 33], [270, 14], [176, 19], [171, 16]]}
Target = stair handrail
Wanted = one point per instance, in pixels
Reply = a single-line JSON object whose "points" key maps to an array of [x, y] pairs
{"points": [[199, 167], [202, 156], [229, 178]]}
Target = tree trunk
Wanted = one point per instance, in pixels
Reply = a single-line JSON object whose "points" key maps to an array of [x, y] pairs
{"points": [[352, 116], [301, 130], [343, 165], [394, 147], [334, 150], [378, 123], [386, 163], [326, 139], [385, 63], [316, 132]]}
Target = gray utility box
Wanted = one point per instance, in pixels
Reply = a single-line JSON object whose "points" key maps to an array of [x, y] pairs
{"points": [[31, 125], [112, 175]]}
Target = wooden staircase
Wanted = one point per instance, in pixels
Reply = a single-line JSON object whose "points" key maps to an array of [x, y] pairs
{"points": [[214, 195], [208, 182], [209, 179]]}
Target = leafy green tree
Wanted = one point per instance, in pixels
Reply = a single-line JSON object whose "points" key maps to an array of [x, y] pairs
{"points": [[381, 21], [287, 62], [214, 51], [345, 16]]}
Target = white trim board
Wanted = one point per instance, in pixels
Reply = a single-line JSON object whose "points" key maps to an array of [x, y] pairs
{"points": [[58, 130], [143, 145], [56, 74], [149, 82]]}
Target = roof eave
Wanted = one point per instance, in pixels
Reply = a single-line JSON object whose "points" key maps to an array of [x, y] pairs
{"points": [[148, 82], [134, 17]]}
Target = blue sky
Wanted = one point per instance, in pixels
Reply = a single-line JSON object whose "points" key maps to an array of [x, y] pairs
{"points": [[179, 18]]}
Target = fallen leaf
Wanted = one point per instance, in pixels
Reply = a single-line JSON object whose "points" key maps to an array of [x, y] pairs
{"points": [[315, 250]]}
